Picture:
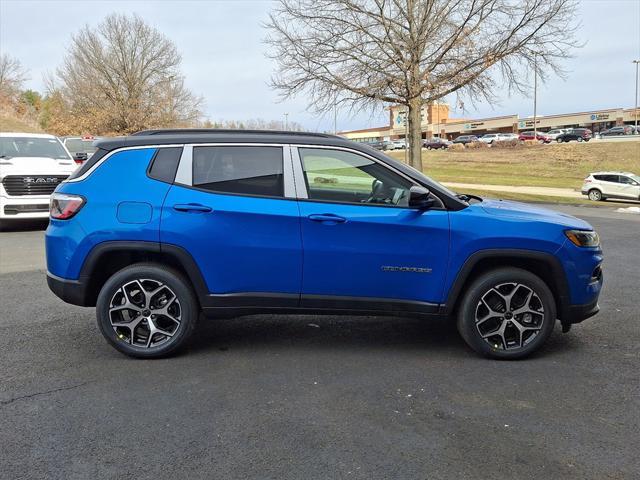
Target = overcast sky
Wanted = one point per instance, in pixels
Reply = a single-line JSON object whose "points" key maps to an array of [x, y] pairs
{"points": [[224, 61]]}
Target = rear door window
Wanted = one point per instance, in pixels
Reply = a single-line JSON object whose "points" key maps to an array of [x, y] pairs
{"points": [[244, 170]]}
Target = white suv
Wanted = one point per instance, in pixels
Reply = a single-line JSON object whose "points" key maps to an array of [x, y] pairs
{"points": [[603, 185], [31, 167]]}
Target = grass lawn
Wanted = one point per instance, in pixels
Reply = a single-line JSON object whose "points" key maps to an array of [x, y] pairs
{"points": [[555, 165], [11, 124]]}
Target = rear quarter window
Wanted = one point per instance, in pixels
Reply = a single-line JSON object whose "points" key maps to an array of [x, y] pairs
{"points": [[165, 164]]}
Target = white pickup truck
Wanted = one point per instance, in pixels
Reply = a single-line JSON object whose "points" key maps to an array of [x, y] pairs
{"points": [[31, 167]]}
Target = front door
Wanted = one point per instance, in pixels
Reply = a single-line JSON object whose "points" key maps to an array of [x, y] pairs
{"points": [[233, 218], [360, 237], [628, 188]]}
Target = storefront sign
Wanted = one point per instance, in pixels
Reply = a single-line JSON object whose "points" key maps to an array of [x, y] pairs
{"points": [[599, 117], [527, 123]]}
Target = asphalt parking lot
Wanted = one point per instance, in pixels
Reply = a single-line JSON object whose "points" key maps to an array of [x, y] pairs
{"points": [[279, 397]]}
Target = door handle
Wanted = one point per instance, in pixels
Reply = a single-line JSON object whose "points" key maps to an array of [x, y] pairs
{"points": [[191, 207], [326, 218]]}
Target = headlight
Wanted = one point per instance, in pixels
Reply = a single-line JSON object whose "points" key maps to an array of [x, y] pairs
{"points": [[583, 238]]}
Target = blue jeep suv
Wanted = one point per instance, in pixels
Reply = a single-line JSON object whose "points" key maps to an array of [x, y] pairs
{"points": [[161, 226]]}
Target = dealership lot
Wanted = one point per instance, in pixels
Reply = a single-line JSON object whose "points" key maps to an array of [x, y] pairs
{"points": [[317, 397]]}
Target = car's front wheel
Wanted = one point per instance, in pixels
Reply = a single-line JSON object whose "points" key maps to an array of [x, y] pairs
{"points": [[507, 313], [147, 310]]}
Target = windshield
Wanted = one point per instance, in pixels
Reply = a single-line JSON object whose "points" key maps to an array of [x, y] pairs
{"points": [[635, 177], [75, 145], [15, 147]]}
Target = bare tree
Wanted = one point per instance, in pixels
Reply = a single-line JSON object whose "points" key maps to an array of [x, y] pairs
{"points": [[123, 76], [411, 52], [254, 124], [12, 76]]}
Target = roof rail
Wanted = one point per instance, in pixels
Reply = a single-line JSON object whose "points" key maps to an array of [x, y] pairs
{"points": [[204, 131]]}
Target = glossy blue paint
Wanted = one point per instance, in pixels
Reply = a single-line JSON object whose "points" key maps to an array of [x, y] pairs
{"points": [[134, 212], [242, 244], [122, 178], [496, 224], [256, 244], [348, 257]]}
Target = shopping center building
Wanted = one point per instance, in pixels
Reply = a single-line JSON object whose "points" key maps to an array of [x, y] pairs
{"points": [[436, 122]]}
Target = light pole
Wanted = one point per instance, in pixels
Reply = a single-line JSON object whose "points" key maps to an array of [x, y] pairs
{"points": [[535, 96], [286, 121], [637, 62]]}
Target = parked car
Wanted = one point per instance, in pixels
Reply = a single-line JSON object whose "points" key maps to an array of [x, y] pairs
{"points": [[539, 136], [381, 145], [490, 138], [602, 185], [165, 224], [555, 133], [436, 142], [398, 144], [81, 148], [616, 131], [577, 134], [464, 139], [31, 166], [505, 137]]}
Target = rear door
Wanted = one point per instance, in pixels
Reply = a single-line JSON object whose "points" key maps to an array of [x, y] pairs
{"points": [[362, 243], [234, 212]]}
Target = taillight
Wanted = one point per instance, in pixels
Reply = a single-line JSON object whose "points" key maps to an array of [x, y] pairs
{"points": [[63, 206]]}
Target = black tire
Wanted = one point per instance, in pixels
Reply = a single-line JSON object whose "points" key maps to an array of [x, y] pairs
{"points": [[186, 308], [530, 340], [595, 195], [559, 140], [579, 139]]}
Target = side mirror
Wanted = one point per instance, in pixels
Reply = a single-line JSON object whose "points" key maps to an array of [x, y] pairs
{"points": [[419, 197]]}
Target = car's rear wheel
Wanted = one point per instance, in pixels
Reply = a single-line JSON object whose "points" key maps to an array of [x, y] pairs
{"points": [[147, 311], [579, 139], [595, 195], [507, 313], [559, 140]]}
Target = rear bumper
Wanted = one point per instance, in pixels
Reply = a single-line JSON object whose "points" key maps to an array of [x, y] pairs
{"points": [[71, 291]]}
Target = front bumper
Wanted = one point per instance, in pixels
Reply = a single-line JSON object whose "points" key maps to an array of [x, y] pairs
{"points": [[24, 207], [579, 313]]}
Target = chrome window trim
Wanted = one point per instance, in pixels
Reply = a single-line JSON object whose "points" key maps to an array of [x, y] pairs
{"points": [[184, 174], [287, 172], [113, 152], [300, 180], [298, 174]]}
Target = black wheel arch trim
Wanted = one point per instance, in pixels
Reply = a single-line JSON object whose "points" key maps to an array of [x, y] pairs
{"points": [[561, 290], [79, 291]]}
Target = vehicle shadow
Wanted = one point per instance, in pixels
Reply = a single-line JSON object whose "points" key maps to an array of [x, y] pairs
{"points": [[291, 332]]}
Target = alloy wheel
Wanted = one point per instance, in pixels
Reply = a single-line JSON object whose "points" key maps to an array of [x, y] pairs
{"points": [[509, 316], [595, 195], [145, 313]]}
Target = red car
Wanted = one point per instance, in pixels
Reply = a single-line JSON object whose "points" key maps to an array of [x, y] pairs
{"points": [[541, 137]]}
